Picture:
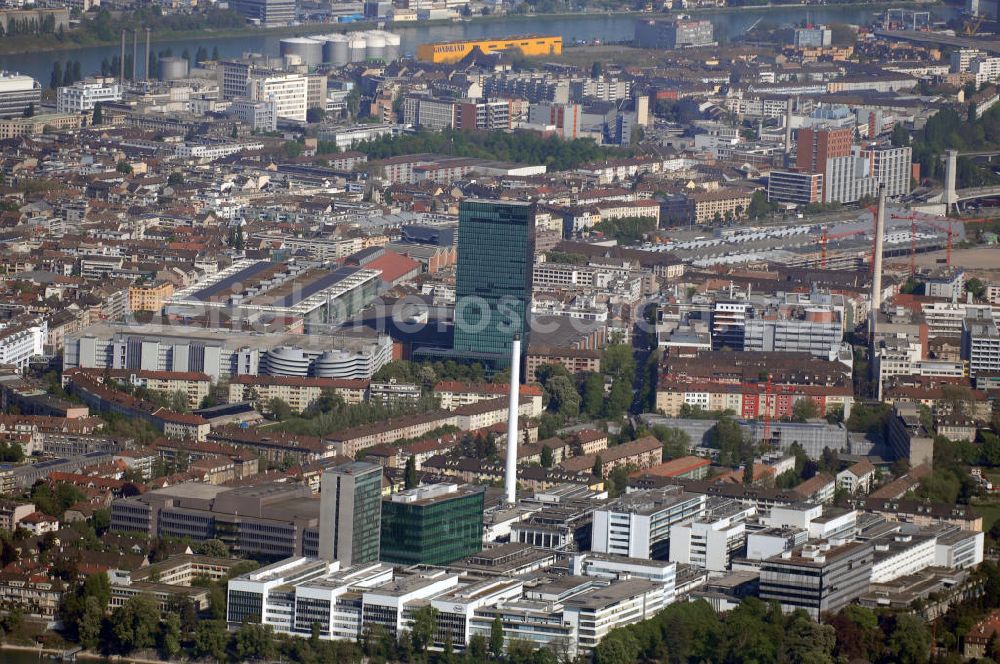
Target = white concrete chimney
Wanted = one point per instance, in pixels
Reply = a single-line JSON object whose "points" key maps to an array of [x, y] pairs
{"points": [[877, 256], [510, 477]]}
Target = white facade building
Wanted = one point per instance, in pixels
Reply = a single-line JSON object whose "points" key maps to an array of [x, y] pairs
{"points": [[22, 339], [638, 524], [259, 115], [710, 541], [902, 553], [83, 95], [289, 92]]}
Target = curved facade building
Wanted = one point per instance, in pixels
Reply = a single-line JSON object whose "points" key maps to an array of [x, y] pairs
{"points": [[286, 361]]}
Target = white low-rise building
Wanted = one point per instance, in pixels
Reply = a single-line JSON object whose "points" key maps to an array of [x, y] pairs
{"points": [[82, 96]]}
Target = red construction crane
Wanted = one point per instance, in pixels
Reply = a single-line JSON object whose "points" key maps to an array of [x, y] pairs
{"points": [[947, 227], [826, 237]]}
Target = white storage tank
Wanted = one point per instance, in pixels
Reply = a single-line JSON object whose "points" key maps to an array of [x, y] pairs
{"points": [[335, 50], [173, 69], [392, 46], [357, 47], [309, 50], [375, 46]]}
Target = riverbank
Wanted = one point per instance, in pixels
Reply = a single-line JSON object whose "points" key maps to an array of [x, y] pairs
{"points": [[47, 44], [11, 653]]}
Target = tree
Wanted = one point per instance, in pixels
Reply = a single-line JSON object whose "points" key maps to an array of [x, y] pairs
{"points": [[676, 442], [477, 648], [410, 477], [175, 179], [255, 642], [210, 639], [496, 638], [598, 469], [808, 641], [759, 206], [123, 167], [563, 397], [215, 53], [729, 441], [909, 641], [91, 623], [169, 637], [620, 398], [546, 456], [29, 110], [593, 394], [618, 361], [213, 547], [55, 80], [596, 69], [134, 623], [900, 137], [315, 114], [976, 287], [618, 647], [424, 628], [98, 117], [748, 473], [804, 409], [279, 409]]}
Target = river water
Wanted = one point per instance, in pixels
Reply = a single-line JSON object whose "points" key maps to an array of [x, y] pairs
{"points": [[611, 28]]}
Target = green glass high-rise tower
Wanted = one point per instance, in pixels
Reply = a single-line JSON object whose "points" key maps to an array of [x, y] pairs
{"points": [[496, 251]]}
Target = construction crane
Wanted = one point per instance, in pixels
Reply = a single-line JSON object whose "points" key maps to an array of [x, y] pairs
{"points": [[949, 229], [826, 237]]}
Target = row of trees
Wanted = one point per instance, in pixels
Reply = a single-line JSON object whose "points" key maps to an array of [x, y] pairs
{"points": [[30, 26], [68, 76], [522, 147], [761, 633], [627, 230], [107, 27], [948, 129]]}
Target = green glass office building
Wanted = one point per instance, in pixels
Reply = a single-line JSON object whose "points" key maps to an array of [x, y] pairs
{"points": [[432, 525], [496, 251]]}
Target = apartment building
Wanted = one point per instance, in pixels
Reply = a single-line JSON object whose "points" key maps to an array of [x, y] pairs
{"points": [[296, 391], [150, 297]]}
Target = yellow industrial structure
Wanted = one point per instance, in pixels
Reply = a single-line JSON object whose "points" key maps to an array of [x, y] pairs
{"points": [[529, 45]]}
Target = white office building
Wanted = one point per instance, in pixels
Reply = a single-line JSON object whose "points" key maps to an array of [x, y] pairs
{"points": [[604, 566], [83, 95], [710, 541], [637, 525], [258, 115], [22, 339], [289, 92], [17, 93], [902, 553]]}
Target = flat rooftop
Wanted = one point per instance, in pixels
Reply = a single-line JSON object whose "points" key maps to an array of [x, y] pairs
{"points": [[227, 338]]}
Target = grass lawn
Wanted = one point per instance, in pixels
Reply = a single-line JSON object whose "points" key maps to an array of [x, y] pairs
{"points": [[990, 511]]}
